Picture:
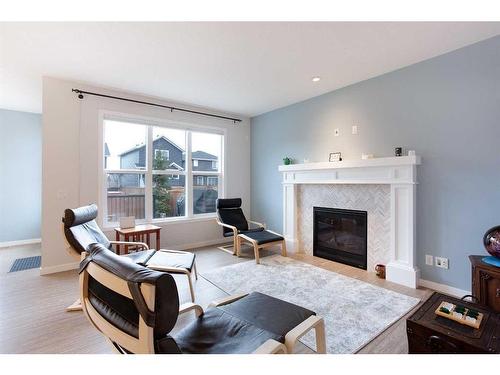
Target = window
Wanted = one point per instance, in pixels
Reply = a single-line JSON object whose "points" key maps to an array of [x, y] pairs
{"points": [[165, 154], [145, 173], [212, 181], [207, 178]]}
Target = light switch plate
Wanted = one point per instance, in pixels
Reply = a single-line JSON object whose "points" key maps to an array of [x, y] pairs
{"points": [[429, 260], [355, 129]]}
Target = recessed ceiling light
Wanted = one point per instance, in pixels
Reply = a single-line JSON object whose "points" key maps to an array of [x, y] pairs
{"points": [[316, 79]]}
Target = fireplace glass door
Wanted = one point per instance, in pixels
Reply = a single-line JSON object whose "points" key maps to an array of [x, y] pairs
{"points": [[340, 235]]}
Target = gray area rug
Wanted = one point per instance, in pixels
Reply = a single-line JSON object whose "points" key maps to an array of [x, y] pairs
{"points": [[354, 311]]}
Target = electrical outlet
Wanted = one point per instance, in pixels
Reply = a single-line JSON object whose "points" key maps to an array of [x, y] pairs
{"points": [[429, 260], [441, 262], [336, 132], [355, 129]]}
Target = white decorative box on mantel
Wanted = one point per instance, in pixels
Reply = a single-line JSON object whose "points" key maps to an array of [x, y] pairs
{"points": [[398, 172]]}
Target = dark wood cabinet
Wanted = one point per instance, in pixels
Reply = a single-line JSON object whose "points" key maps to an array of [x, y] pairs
{"points": [[485, 282], [430, 333]]}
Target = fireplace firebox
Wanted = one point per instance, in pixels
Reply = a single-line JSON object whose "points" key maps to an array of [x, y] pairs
{"points": [[340, 235]]}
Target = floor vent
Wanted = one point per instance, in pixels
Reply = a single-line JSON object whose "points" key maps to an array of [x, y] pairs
{"points": [[22, 264]]}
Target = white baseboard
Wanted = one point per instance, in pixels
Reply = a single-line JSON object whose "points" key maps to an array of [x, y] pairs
{"points": [[20, 242], [443, 288], [59, 268]]}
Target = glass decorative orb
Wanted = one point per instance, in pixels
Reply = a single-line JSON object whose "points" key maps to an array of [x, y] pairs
{"points": [[491, 241]]}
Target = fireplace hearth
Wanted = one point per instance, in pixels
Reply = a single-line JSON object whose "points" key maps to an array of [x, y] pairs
{"points": [[340, 235]]}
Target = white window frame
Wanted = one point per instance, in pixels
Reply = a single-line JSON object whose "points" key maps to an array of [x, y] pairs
{"points": [[211, 178], [195, 162], [214, 165], [151, 122], [167, 152]]}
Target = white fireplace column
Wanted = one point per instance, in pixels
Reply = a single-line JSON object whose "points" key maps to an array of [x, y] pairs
{"points": [[399, 172]]}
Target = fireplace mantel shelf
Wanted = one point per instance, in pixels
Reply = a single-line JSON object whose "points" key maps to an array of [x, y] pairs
{"points": [[398, 172], [395, 170], [366, 163]]}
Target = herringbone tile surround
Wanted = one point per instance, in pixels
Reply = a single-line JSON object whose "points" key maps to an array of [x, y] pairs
{"points": [[375, 199]]}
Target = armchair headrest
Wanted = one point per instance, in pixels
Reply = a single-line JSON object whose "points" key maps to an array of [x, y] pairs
{"points": [[81, 229], [80, 215], [229, 203], [166, 310]]}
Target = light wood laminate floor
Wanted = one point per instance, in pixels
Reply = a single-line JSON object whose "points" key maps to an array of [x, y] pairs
{"points": [[33, 317]]}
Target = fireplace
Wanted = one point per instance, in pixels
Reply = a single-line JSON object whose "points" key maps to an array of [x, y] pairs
{"points": [[340, 235]]}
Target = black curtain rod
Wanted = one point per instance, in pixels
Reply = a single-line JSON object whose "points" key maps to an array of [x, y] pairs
{"points": [[81, 92]]}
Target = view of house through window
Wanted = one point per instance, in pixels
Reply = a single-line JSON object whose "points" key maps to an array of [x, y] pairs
{"points": [[146, 174]]}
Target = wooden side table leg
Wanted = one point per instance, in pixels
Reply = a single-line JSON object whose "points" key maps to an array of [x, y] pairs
{"points": [[126, 246], [158, 240], [148, 240], [117, 237]]}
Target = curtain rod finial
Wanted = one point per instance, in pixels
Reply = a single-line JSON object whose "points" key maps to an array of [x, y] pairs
{"points": [[80, 95]]}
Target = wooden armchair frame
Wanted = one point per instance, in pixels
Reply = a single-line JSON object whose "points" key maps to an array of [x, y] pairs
{"points": [[144, 344], [77, 305], [235, 246], [142, 245], [177, 270]]}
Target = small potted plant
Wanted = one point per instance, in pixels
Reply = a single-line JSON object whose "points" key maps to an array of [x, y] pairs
{"points": [[287, 160]]}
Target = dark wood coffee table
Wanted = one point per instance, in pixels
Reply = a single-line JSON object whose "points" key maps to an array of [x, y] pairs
{"points": [[429, 333]]}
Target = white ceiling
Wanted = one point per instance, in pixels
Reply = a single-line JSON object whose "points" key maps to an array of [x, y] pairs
{"points": [[242, 68]]}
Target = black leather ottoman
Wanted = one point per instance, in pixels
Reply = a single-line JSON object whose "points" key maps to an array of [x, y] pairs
{"points": [[249, 322], [260, 240]]}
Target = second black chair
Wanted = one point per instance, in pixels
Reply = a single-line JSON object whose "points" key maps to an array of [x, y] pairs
{"points": [[234, 224]]}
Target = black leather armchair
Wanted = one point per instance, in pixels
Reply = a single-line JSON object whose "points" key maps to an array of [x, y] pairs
{"points": [[234, 224], [81, 230], [136, 308]]}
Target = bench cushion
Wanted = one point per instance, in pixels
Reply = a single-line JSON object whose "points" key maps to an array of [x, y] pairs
{"points": [[167, 259], [269, 313], [218, 332], [264, 236], [241, 326]]}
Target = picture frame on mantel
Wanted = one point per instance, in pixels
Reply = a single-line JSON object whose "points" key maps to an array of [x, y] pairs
{"points": [[335, 156]]}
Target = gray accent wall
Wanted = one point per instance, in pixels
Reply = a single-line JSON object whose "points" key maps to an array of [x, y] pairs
{"points": [[20, 175], [446, 108]]}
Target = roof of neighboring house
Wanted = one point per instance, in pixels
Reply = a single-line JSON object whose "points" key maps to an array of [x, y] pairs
{"points": [[200, 155], [203, 155], [139, 146], [106, 150]]}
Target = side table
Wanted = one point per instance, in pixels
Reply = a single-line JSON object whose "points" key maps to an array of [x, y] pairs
{"points": [[139, 233]]}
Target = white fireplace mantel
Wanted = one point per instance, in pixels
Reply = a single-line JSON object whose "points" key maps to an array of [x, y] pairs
{"points": [[398, 172]]}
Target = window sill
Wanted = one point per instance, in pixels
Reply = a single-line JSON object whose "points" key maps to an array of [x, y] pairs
{"points": [[180, 220], [169, 221]]}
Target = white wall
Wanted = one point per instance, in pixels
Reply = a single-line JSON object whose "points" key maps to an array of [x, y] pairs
{"points": [[70, 164]]}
